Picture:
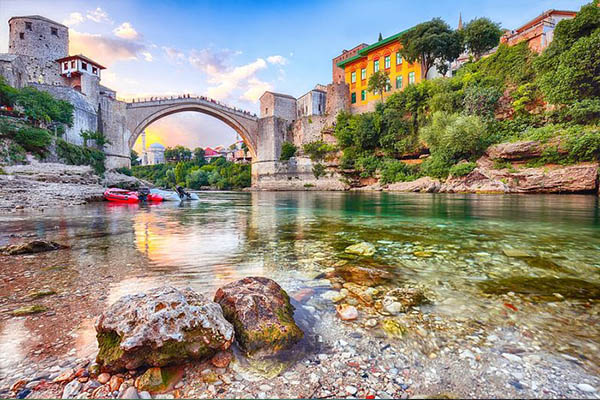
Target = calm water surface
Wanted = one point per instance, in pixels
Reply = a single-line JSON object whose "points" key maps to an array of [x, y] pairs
{"points": [[468, 250]]}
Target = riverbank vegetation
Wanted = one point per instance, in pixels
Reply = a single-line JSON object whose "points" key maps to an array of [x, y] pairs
{"points": [[511, 95], [34, 123], [196, 173]]}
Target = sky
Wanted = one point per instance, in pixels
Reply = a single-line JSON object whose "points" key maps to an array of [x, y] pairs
{"points": [[234, 51]]}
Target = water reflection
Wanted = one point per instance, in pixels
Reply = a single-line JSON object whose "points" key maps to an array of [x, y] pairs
{"points": [[293, 237]]}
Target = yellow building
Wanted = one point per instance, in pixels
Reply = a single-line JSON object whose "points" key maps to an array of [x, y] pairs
{"points": [[383, 55]]}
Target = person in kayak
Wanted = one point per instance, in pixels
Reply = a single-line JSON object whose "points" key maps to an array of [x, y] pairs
{"points": [[182, 193]]}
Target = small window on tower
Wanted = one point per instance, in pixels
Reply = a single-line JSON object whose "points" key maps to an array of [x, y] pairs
{"points": [[54, 31], [94, 70], [73, 64], [21, 35], [28, 26], [66, 65], [84, 66]]}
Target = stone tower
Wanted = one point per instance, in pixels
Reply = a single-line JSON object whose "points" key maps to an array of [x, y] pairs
{"points": [[41, 42]]}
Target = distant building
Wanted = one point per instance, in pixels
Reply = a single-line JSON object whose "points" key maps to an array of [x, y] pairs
{"points": [[279, 105], [209, 153], [78, 70], [156, 154], [384, 55], [539, 32], [312, 103], [337, 74]]}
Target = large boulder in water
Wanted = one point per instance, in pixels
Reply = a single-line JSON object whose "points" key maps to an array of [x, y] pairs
{"points": [[161, 327], [261, 314]]}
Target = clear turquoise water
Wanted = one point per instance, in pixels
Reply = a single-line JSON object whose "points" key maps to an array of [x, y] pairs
{"points": [[455, 245]]}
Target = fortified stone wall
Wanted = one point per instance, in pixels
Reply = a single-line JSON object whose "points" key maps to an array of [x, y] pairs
{"points": [[113, 123], [295, 174], [13, 69], [308, 129], [338, 98], [84, 115], [40, 42]]}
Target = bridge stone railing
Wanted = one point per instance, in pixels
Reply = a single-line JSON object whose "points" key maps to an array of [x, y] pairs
{"points": [[172, 100]]}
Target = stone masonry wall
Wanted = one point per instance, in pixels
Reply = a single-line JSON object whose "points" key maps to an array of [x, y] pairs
{"points": [[113, 123], [39, 47], [84, 115]]}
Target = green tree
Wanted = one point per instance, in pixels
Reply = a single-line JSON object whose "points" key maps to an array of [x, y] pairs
{"points": [[566, 68], [41, 106], [431, 43], [199, 156], [180, 173], [288, 150], [134, 158], [8, 93], [379, 82], [481, 35]]}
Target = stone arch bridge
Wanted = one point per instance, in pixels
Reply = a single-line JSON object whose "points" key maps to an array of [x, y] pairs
{"points": [[140, 114]]}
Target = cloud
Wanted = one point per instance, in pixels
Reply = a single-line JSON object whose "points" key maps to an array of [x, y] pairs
{"points": [[256, 88], [105, 50], [147, 56], [126, 31], [73, 19], [98, 15], [281, 60], [226, 81], [173, 54]]}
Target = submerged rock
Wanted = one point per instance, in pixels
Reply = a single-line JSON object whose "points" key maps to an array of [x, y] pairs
{"points": [[346, 312], [544, 288], [159, 380], [27, 310], [161, 327], [361, 249], [261, 313], [35, 246], [402, 299], [366, 274]]}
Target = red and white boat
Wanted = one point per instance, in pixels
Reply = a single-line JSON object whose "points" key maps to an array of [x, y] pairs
{"points": [[127, 196]]}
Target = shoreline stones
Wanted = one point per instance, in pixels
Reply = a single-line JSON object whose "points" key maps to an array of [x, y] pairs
{"points": [[261, 314], [35, 246], [161, 327], [346, 312]]}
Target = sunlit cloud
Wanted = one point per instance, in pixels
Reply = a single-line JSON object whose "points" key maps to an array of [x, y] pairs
{"points": [[105, 50], [147, 56], [73, 19], [99, 15], [126, 31]]}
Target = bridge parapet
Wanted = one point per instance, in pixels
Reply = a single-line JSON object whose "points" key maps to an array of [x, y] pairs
{"points": [[174, 100]]}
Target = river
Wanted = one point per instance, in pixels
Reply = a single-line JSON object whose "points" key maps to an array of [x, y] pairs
{"points": [[499, 263]]}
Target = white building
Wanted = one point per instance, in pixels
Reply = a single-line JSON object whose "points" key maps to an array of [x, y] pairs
{"points": [[155, 154], [312, 103]]}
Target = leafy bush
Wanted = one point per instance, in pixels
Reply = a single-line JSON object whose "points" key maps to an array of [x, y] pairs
{"points": [[76, 155], [196, 179], [481, 101], [318, 170], [367, 165], [34, 139], [397, 171], [454, 137], [580, 112], [288, 150], [41, 106], [462, 169], [124, 171], [317, 150], [8, 93]]}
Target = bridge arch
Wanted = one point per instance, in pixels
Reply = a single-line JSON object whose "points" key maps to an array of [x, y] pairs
{"points": [[141, 115]]}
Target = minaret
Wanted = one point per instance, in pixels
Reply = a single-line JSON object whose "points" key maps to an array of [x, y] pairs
{"points": [[144, 152], [460, 24]]}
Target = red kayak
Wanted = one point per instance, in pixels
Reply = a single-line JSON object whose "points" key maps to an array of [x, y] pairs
{"points": [[126, 196]]}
